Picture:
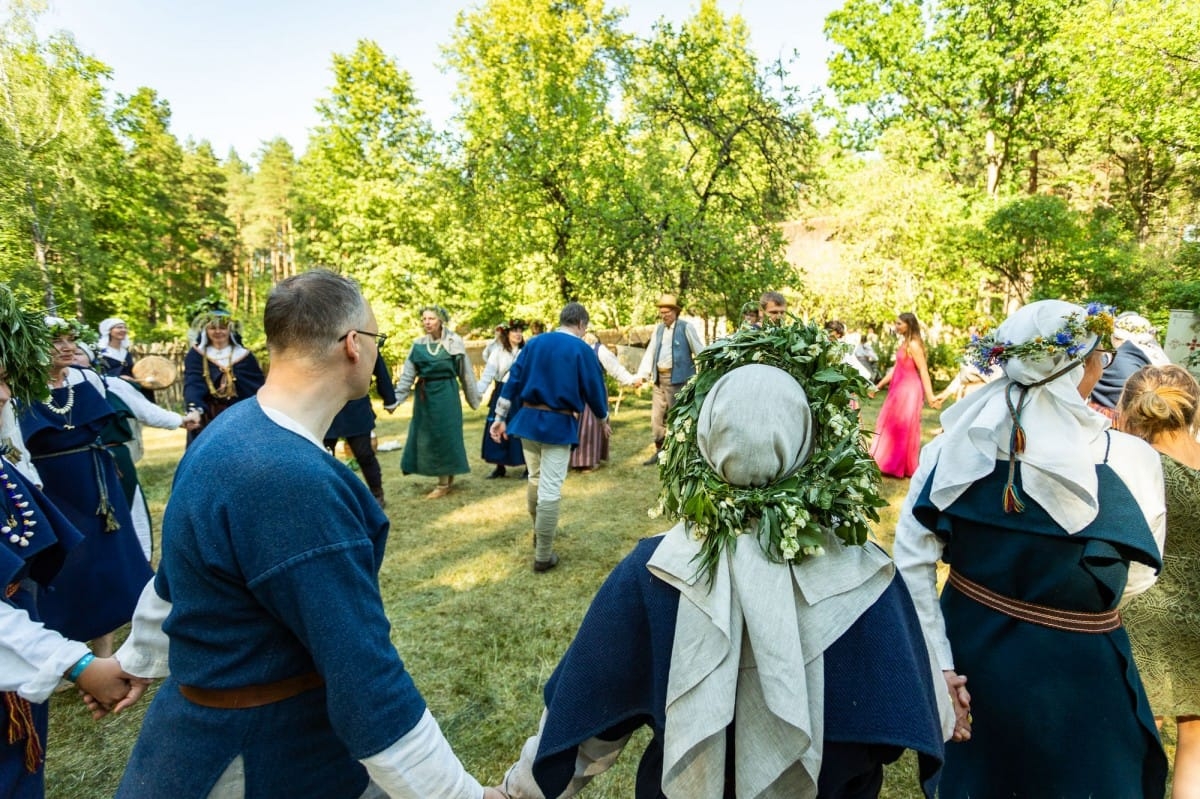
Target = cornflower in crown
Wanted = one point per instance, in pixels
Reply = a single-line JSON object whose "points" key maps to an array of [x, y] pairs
{"points": [[835, 491], [986, 352]]}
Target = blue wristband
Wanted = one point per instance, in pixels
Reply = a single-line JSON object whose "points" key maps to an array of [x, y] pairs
{"points": [[79, 666]]}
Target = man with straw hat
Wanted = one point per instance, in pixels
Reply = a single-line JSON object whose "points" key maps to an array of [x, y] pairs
{"points": [[669, 361]]}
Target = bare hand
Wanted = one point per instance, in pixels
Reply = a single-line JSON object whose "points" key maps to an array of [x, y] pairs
{"points": [[498, 431], [606, 429], [961, 699], [106, 687], [495, 792]]}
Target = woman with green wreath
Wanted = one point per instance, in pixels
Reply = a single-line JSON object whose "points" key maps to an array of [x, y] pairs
{"points": [[769, 647], [435, 368]]}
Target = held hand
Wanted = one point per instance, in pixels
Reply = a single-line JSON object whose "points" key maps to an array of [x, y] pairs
{"points": [[106, 687], [498, 431], [961, 699], [495, 792]]}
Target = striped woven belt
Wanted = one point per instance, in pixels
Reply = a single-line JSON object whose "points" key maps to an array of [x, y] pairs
{"points": [[1077, 621]]}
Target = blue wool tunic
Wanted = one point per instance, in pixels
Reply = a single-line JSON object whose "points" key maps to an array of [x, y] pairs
{"points": [[1055, 713], [879, 692], [560, 371], [272, 571], [30, 567]]}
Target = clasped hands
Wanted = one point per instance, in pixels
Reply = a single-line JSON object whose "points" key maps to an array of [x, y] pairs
{"points": [[956, 684], [107, 688]]}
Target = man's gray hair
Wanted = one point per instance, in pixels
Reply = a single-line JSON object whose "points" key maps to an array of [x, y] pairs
{"points": [[573, 315], [309, 311]]}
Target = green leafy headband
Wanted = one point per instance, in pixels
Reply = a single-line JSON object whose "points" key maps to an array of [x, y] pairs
{"points": [[835, 491], [24, 349]]}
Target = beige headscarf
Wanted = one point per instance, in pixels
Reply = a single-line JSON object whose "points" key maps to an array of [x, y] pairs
{"points": [[1056, 470], [748, 645]]}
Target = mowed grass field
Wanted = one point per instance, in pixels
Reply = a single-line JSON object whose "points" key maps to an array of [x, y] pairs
{"points": [[479, 631]]}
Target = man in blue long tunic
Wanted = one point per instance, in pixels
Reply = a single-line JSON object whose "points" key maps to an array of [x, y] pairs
{"points": [[551, 381], [283, 678]]}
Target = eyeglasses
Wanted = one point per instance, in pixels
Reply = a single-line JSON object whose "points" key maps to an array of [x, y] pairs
{"points": [[380, 338]]}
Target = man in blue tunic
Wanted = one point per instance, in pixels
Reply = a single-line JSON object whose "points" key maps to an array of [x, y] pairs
{"points": [[551, 381], [283, 678]]}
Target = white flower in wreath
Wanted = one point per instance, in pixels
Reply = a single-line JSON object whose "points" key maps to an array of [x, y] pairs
{"points": [[789, 546]]}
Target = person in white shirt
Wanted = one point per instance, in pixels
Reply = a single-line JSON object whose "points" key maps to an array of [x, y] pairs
{"points": [[668, 363]]}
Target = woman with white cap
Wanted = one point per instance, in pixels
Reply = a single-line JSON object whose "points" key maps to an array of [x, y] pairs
{"points": [[113, 356], [1047, 518], [763, 639]]}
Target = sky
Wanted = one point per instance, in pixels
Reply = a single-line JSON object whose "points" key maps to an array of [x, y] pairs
{"points": [[239, 73]]}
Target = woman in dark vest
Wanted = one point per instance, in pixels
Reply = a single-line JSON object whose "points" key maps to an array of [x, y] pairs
{"points": [[1047, 518]]}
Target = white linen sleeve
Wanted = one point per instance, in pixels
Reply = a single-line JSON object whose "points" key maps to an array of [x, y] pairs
{"points": [[917, 551], [594, 756], [33, 657], [10, 432], [694, 340], [420, 765], [404, 385], [145, 410], [612, 365], [490, 369], [144, 653], [1139, 467], [647, 366]]}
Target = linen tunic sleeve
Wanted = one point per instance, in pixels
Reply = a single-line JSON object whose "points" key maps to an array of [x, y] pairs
{"points": [[916, 552], [407, 379], [466, 376], [613, 366], [32, 656]]}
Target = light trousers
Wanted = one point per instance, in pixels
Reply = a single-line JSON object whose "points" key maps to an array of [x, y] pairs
{"points": [[547, 464]]}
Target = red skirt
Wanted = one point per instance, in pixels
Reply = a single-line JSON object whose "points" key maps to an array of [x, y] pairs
{"points": [[593, 446]]}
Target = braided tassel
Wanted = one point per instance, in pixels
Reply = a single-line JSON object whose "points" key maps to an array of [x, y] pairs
{"points": [[21, 727], [1012, 500], [1018, 440]]}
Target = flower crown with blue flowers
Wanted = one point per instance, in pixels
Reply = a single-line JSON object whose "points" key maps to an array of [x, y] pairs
{"points": [[987, 351]]}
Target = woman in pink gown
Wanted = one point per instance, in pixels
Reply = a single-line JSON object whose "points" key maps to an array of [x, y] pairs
{"points": [[898, 428]]}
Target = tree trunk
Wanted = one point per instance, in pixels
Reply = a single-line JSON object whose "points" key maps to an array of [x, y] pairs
{"points": [[993, 166]]}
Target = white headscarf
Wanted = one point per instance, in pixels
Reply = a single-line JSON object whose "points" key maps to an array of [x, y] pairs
{"points": [[754, 428], [1134, 327], [1056, 467], [105, 328]]}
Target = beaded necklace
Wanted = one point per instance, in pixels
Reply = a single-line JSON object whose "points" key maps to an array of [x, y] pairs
{"points": [[436, 348], [18, 531], [65, 409]]}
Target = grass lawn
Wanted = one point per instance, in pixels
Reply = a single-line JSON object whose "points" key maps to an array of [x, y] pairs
{"points": [[477, 628]]}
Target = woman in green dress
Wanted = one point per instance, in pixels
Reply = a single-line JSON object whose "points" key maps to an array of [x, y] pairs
{"points": [[436, 366], [1159, 404]]}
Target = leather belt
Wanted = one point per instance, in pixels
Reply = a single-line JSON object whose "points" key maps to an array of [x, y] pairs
{"points": [[252, 695], [11, 590], [538, 407], [1076, 621]]}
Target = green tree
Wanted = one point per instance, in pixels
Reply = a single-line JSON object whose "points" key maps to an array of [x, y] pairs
{"points": [[364, 203], [722, 161], [53, 134], [974, 79], [536, 84]]}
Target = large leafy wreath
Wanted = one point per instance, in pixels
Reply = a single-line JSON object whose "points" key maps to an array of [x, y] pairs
{"points": [[835, 491], [25, 343]]}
